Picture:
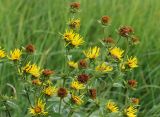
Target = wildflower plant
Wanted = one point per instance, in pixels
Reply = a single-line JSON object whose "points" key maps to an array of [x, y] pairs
{"points": [[82, 86]]}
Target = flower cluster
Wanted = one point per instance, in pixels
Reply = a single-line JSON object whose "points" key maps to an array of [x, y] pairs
{"points": [[86, 80]]}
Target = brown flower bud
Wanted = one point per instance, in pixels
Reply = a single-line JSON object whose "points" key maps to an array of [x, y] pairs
{"points": [[30, 48], [36, 82], [105, 20], [132, 83], [82, 63], [135, 40], [125, 31], [47, 72], [62, 92], [135, 101], [75, 5], [92, 93], [109, 40], [83, 78]]}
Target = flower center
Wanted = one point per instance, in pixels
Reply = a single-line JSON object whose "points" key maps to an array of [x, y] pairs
{"points": [[37, 109]]}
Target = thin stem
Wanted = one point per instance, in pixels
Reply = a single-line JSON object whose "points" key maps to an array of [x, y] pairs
{"points": [[60, 103], [7, 110]]}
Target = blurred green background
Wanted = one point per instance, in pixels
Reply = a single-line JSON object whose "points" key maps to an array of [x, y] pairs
{"points": [[40, 22]]}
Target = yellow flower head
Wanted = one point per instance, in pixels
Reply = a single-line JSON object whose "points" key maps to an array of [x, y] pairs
{"points": [[130, 111], [50, 90], [73, 64], [15, 55], [38, 109], [74, 23], [77, 100], [92, 53], [33, 69], [111, 106], [116, 52], [77, 40], [132, 62], [68, 35], [2, 53], [104, 68], [77, 86]]}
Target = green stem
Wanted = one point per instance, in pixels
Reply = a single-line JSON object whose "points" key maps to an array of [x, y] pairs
{"points": [[60, 103], [7, 110]]}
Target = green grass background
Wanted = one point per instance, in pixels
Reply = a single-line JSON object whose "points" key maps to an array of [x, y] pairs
{"points": [[40, 22]]}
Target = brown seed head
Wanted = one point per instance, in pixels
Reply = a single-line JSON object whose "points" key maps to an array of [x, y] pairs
{"points": [[109, 40], [135, 101], [75, 5], [132, 83], [47, 72], [83, 78], [92, 93], [62, 92], [30, 48], [135, 40], [82, 63], [125, 31], [105, 19]]}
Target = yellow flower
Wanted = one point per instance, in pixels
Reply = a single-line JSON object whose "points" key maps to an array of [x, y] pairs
{"points": [[111, 106], [2, 53], [68, 35], [92, 53], [76, 85], [50, 90], [116, 52], [77, 100], [104, 67], [15, 55], [130, 111], [74, 23], [36, 82], [132, 62], [77, 40], [38, 109], [33, 69], [73, 64]]}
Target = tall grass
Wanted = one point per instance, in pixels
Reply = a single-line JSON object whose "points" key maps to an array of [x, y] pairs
{"points": [[40, 22]]}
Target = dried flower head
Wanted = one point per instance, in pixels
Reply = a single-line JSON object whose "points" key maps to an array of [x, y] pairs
{"points": [[125, 31], [135, 40], [82, 63], [109, 40], [74, 23], [92, 93], [36, 82], [62, 92], [83, 78], [47, 72], [135, 101], [75, 5], [105, 20], [132, 83], [30, 48]]}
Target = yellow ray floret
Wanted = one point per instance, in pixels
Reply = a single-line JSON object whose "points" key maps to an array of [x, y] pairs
{"points": [[111, 106], [104, 68], [77, 40], [68, 35], [132, 62], [76, 85], [2, 53], [38, 109], [74, 23], [130, 111], [50, 90], [73, 64], [77, 100], [116, 52], [33, 69], [15, 54], [92, 53]]}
